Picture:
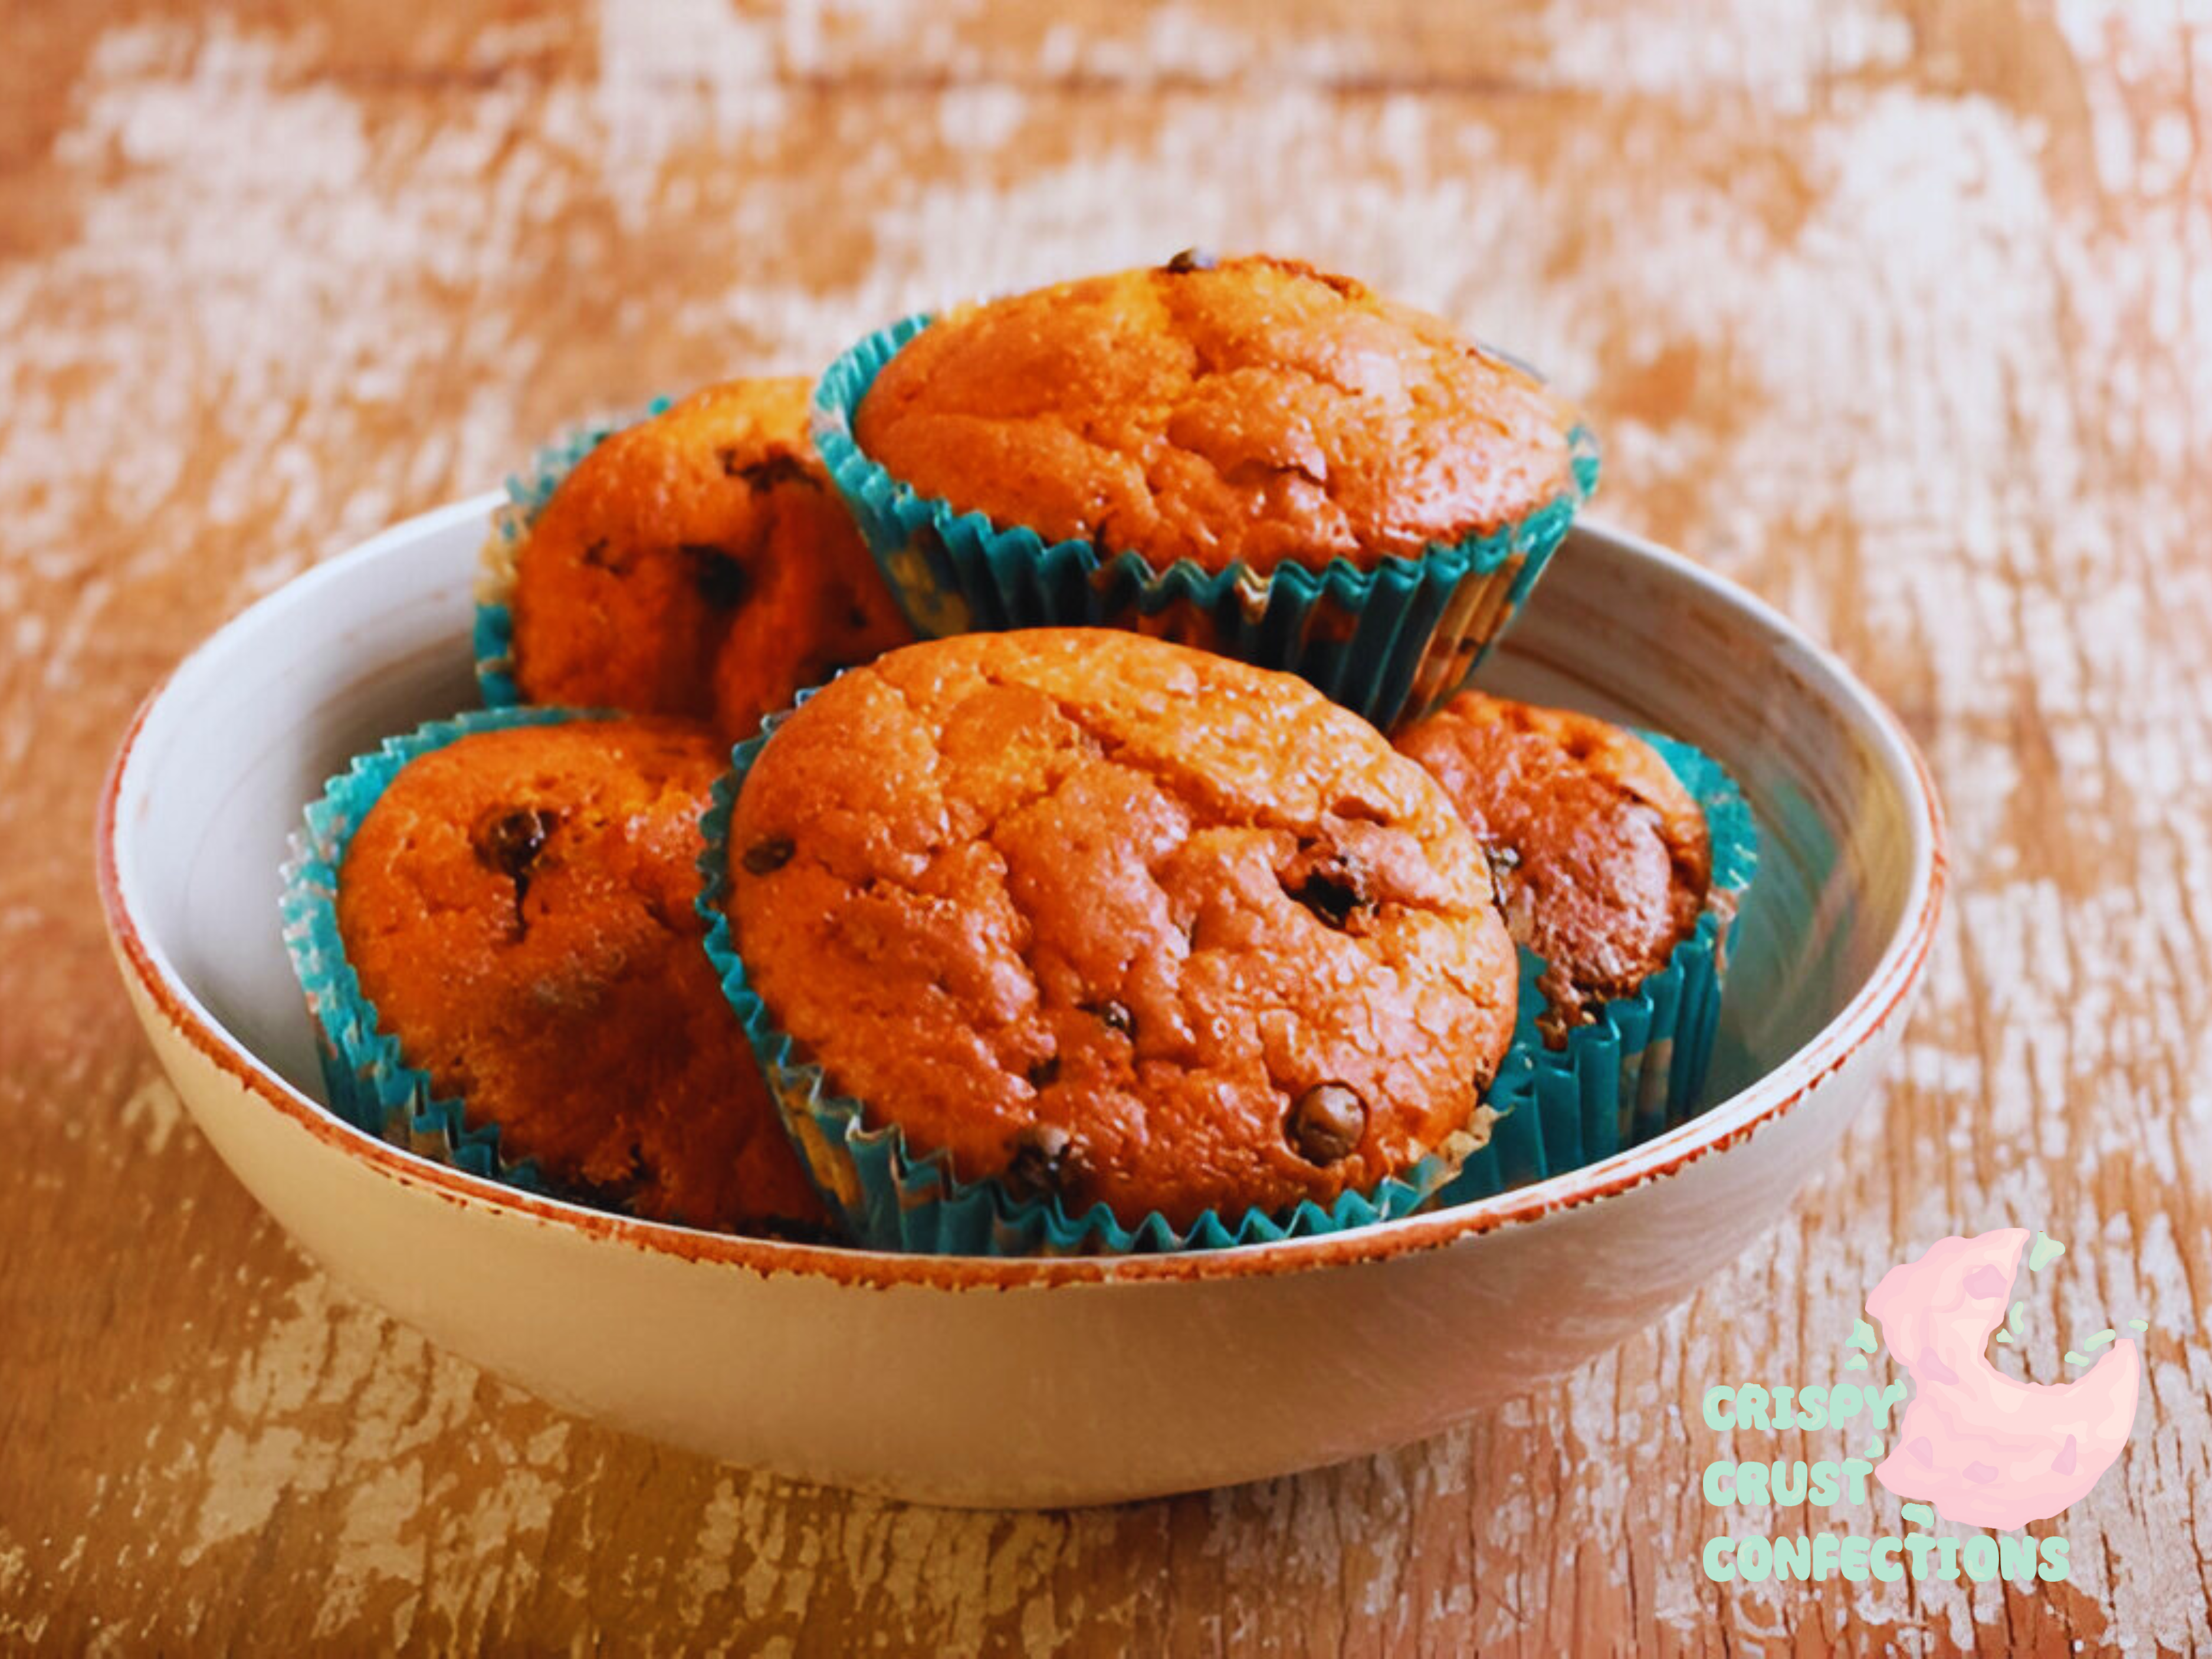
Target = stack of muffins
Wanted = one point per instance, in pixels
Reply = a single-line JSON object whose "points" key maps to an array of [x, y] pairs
{"points": [[1089, 907]]}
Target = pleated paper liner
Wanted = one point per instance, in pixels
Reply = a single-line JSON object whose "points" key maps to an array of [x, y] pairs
{"points": [[1388, 641]]}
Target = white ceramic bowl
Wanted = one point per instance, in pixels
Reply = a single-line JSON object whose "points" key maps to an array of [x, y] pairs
{"points": [[1030, 1382]]}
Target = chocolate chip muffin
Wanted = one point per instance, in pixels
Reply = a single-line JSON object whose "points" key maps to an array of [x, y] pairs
{"points": [[1255, 410], [518, 906], [1114, 921], [698, 564], [1601, 856]]}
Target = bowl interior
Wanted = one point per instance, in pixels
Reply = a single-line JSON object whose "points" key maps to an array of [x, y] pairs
{"points": [[371, 644]]}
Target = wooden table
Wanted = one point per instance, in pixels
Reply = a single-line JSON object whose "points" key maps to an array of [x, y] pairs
{"points": [[1899, 313]]}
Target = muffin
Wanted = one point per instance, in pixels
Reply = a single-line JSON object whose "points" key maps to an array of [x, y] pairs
{"points": [[1621, 861], [1252, 455], [516, 906], [1600, 855], [696, 564], [1101, 925]]}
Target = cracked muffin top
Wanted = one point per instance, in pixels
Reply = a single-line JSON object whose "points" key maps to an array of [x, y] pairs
{"points": [[1255, 410], [518, 905], [1115, 920], [698, 564], [1602, 857]]}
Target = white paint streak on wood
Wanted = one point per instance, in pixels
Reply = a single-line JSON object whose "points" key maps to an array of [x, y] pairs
{"points": [[1901, 314]]}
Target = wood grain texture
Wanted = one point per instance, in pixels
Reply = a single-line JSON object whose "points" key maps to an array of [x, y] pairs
{"points": [[1897, 310]]}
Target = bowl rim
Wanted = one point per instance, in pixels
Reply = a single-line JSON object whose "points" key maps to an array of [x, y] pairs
{"points": [[1878, 1000]]}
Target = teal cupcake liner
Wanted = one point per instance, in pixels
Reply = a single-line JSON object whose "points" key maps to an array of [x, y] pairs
{"points": [[369, 1083], [891, 1197], [527, 492], [1386, 641], [1638, 1068]]}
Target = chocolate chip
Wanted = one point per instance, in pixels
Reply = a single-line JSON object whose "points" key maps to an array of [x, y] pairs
{"points": [[1331, 884], [1117, 1018], [765, 857], [1045, 1164], [721, 581], [598, 555], [1326, 1123], [765, 474], [1045, 1072], [1333, 898], [510, 841], [1190, 259]]}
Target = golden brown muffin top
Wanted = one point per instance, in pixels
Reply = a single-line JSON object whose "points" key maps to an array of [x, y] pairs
{"points": [[518, 905], [698, 563], [1601, 856], [1120, 921], [1255, 409]]}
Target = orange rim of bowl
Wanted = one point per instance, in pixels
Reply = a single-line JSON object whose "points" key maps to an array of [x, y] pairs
{"points": [[1877, 1002]]}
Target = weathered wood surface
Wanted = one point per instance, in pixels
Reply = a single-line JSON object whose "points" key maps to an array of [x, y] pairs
{"points": [[1899, 312]]}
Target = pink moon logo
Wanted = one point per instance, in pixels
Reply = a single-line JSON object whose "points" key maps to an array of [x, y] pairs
{"points": [[1985, 1449]]}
